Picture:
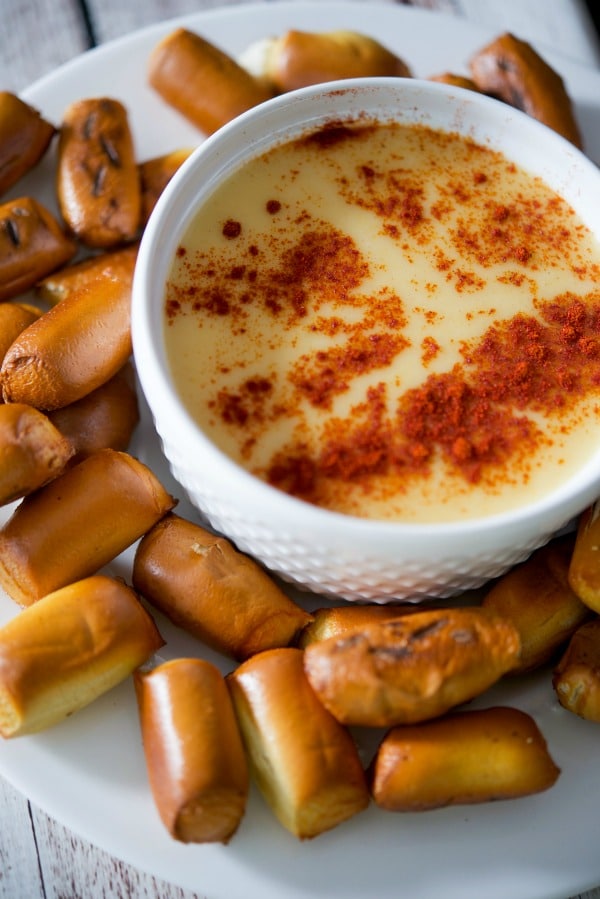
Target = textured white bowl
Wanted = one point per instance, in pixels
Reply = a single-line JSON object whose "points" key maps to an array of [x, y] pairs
{"points": [[329, 553]]}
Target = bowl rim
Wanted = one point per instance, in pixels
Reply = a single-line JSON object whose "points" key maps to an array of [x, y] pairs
{"points": [[227, 148]]}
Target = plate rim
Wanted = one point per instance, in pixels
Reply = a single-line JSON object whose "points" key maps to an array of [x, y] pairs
{"points": [[96, 56]]}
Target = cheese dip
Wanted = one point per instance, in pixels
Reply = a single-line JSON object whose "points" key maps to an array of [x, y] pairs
{"points": [[391, 322]]}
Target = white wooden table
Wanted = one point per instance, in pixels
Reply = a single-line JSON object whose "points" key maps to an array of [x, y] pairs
{"points": [[38, 856]]}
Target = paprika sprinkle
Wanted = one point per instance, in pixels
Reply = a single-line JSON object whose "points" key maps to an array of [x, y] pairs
{"points": [[399, 323]]}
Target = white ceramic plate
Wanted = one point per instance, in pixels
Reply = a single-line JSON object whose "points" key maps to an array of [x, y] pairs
{"points": [[89, 772]]}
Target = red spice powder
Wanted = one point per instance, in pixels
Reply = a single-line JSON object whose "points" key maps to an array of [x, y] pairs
{"points": [[454, 417], [430, 349], [478, 416], [333, 133], [250, 401], [467, 414], [321, 376], [322, 266], [232, 229], [395, 197], [544, 364]]}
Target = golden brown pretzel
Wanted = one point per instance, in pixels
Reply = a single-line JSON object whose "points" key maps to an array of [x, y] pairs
{"points": [[32, 244], [97, 180], [66, 650], [14, 318], [24, 138], [411, 668], [103, 419], [32, 451], [300, 58], [336, 621], [584, 568], [72, 349], [512, 70], [577, 675], [78, 523], [202, 82], [200, 790], [155, 174], [463, 758], [304, 762], [204, 585], [537, 598], [455, 81], [116, 264]]}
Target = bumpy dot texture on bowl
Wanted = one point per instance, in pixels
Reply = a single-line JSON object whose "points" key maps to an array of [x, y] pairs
{"points": [[351, 575]]}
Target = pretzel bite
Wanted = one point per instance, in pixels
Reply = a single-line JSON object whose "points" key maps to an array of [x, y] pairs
{"points": [[462, 758], [155, 174], [104, 419], [454, 81], [411, 668], [97, 179], [202, 82], [576, 679], [72, 349], [222, 597], [336, 621], [24, 138], [70, 647], [32, 244], [200, 790], [116, 264], [304, 762], [14, 318], [584, 568], [78, 523], [32, 451], [537, 598], [512, 70], [300, 58]]}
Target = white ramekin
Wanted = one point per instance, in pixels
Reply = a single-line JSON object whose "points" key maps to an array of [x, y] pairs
{"points": [[319, 550]]}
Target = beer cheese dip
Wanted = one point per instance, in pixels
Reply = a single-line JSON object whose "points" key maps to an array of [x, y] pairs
{"points": [[391, 322]]}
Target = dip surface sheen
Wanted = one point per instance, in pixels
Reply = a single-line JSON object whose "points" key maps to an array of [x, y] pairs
{"points": [[392, 322]]}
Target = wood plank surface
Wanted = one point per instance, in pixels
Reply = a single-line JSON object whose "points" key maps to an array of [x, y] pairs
{"points": [[39, 858], [20, 873], [36, 37], [72, 868], [66, 28]]}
